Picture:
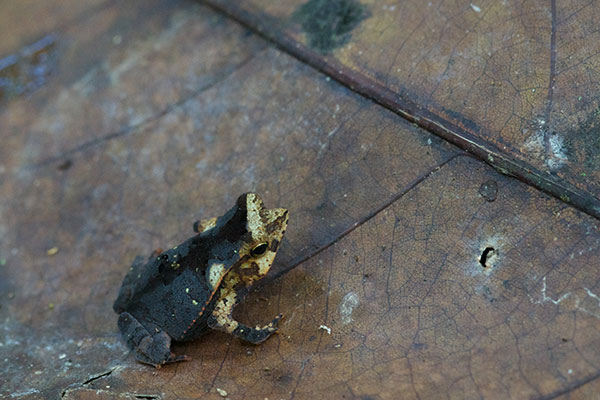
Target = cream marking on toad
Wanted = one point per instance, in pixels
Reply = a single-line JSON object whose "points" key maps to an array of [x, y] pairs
{"points": [[349, 303], [264, 263], [215, 273], [207, 224], [224, 308], [226, 302], [256, 225]]}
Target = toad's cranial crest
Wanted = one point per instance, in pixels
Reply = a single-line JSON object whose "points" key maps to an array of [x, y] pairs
{"points": [[158, 303]]}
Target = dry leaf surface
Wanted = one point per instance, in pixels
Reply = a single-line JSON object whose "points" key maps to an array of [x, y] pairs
{"points": [[514, 82], [382, 274]]}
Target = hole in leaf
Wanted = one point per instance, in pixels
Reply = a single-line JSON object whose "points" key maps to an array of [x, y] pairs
{"points": [[487, 254]]}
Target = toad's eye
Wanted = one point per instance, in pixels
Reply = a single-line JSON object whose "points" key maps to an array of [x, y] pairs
{"points": [[259, 249]]}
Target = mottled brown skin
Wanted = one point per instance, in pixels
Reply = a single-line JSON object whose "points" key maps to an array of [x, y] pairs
{"points": [[181, 292]]}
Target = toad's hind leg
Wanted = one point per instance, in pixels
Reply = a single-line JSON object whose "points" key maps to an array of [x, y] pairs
{"points": [[221, 320], [152, 348]]}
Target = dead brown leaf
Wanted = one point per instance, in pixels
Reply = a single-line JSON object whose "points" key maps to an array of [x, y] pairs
{"points": [[514, 82], [398, 274]]}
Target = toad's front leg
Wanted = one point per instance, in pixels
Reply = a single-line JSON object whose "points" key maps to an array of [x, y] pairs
{"points": [[221, 319]]}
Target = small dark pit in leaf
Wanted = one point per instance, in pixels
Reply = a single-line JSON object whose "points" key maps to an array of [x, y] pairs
{"points": [[328, 23], [65, 165]]}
